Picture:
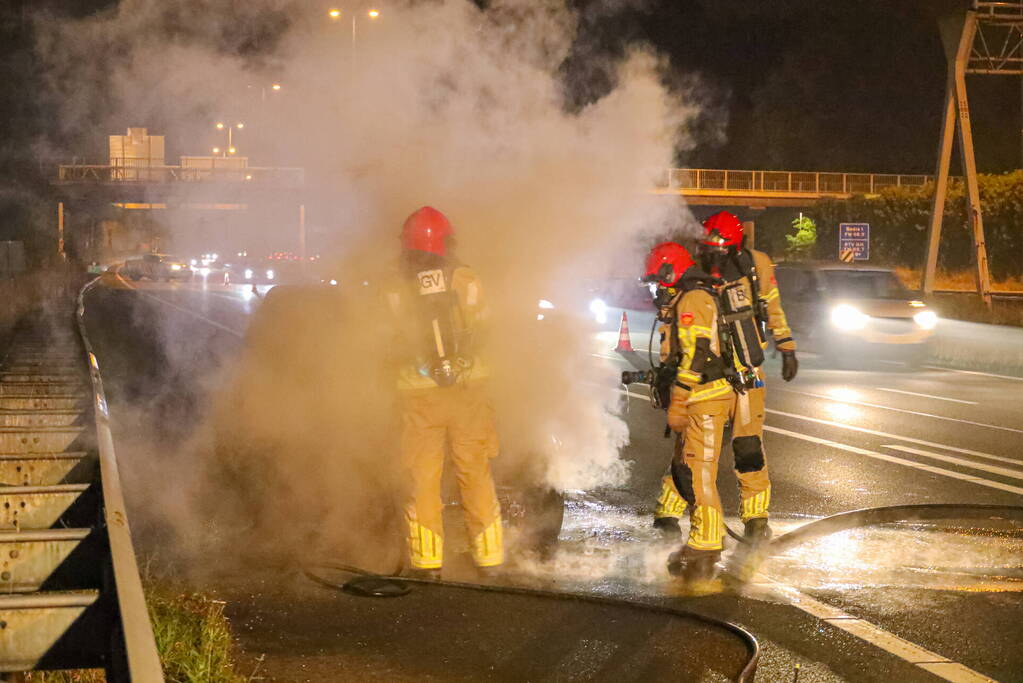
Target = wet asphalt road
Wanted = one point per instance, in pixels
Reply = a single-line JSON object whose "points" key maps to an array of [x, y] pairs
{"points": [[836, 440]]}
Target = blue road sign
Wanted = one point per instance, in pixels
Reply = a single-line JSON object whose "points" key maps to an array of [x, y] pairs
{"points": [[854, 238]]}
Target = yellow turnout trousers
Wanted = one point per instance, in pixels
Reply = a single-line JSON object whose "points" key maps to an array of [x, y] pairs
{"points": [[700, 443], [462, 417]]}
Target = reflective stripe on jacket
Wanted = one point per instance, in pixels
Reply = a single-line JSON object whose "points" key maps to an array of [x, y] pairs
{"points": [[776, 321]]}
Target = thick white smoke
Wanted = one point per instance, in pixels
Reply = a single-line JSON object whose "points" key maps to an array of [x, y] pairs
{"points": [[434, 103]]}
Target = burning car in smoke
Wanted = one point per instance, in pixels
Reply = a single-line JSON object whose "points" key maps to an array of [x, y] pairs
{"points": [[310, 411]]}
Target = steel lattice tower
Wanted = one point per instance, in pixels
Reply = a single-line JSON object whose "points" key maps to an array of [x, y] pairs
{"points": [[987, 39]]}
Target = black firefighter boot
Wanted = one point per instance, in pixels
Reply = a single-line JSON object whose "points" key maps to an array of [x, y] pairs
{"points": [[668, 526], [424, 574], [693, 565], [747, 558], [757, 531]]}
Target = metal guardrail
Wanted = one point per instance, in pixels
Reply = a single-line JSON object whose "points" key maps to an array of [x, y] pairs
{"points": [[145, 173], [70, 592], [994, 294], [803, 183], [143, 662]]}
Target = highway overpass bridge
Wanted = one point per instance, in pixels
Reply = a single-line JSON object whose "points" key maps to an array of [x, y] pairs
{"points": [[700, 186], [762, 189]]}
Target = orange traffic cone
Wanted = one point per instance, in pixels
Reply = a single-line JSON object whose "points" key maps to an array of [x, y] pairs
{"points": [[624, 341]]}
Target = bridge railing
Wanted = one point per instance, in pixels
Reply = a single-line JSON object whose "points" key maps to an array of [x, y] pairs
{"points": [[133, 173], [787, 182]]}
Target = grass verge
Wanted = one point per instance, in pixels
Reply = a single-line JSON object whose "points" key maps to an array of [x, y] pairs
{"points": [[964, 305], [958, 280], [193, 638]]}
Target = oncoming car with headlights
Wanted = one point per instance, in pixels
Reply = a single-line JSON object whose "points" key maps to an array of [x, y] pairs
{"points": [[853, 314], [250, 273], [156, 267]]}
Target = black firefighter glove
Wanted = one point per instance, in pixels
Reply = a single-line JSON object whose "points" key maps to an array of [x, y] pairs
{"points": [[789, 365]]}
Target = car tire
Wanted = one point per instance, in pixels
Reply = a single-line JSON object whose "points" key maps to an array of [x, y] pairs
{"points": [[537, 512]]}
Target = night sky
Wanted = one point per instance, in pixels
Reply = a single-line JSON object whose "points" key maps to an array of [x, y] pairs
{"points": [[787, 84], [850, 85]]}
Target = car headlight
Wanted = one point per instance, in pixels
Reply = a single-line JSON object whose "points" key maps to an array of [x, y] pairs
{"points": [[599, 310], [846, 317], [175, 266], [543, 303], [926, 319], [248, 273], [269, 275]]}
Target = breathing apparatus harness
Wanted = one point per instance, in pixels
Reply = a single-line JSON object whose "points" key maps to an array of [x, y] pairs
{"points": [[664, 375], [747, 267], [443, 340]]}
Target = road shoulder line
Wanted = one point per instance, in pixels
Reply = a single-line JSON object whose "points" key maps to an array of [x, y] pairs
{"points": [[875, 635], [879, 406], [192, 313]]}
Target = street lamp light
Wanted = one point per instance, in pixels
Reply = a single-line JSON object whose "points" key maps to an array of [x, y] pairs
{"points": [[275, 86], [230, 136], [335, 14]]}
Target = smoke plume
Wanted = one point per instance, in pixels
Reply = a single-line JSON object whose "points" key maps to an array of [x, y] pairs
{"points": [[433, 103]]}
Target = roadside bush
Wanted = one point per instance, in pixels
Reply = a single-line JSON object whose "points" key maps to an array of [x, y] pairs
{"points": [[899, 218]]}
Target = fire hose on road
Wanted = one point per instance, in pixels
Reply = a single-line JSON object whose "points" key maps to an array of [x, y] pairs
{"points": [[369, 584]]}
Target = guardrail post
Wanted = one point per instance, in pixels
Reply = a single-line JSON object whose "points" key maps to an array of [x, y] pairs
{"points": [[790, 181], [845, 188], [699, 184], [817, 183], [871, 183], [726, 179]]}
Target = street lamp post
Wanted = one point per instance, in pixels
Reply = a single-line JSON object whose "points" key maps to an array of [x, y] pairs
{"points": [[335, 15], [230, 149]]}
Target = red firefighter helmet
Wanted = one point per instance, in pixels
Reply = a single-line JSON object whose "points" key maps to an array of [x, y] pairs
{"points": [[666, 263], [426, 230], [722, 230]]}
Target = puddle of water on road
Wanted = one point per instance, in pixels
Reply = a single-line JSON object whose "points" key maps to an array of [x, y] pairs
{"points": [[947, 557], [612, 545]]}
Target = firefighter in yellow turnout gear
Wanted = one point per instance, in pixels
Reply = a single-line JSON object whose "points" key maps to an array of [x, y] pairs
{"points": [[439, 310], [749, 286], [700, 399]]}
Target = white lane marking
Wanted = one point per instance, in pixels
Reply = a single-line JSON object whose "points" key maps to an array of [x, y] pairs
{"points": [[875, 635], [993, 469], [974, 372], [190, 312], [874, 432], [938, 398], [898, 461], [888, 435], [901, 410], [617, 358]]}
